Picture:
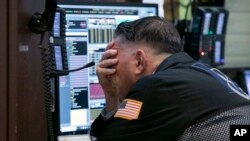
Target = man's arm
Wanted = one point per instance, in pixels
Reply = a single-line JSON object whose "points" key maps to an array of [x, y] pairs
{"points": [[100, 123], [97, 128], [105, 70]]}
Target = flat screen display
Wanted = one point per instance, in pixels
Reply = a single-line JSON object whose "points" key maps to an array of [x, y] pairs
{"points": [[89, 28], [247, 81], [57, 24], [58, 57]]}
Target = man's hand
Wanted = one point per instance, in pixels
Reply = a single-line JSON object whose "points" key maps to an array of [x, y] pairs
{"points": [[105, 69]]}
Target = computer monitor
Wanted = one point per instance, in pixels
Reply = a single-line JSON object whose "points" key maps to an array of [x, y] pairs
{"points": [[89, 28], [247, 81]]}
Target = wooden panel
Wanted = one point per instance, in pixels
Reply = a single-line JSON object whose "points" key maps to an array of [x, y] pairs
{"points": [[12, 64], [27, 121], [3, 70], [31, 104]]}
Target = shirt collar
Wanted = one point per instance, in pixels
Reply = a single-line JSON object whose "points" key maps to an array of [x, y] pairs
{"points": [[174, 60]]}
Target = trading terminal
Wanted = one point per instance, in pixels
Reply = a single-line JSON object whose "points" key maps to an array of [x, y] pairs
{"points": [[50, 88]]}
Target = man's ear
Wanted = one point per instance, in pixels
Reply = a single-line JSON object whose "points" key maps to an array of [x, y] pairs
{"points": [[141, 61]]}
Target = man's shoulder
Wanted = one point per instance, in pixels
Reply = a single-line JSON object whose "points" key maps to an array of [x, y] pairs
{"points": [[166, 76]]}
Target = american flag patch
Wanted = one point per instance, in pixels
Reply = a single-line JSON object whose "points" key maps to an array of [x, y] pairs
{"points": [[129, 109]]}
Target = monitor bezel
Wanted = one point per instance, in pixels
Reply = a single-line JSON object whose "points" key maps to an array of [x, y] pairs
{"points": [[131, 4]]}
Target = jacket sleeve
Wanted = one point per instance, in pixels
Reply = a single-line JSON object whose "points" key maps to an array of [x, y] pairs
{"points": [[100, 123], [97, 128]]}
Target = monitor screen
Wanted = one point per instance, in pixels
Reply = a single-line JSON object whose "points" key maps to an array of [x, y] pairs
{"points": [[58, 57], [89, 27], [56, 25], [247, 80]]}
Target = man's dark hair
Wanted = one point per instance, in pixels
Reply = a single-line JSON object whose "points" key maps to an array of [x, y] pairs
{"points": [[155, 31]]}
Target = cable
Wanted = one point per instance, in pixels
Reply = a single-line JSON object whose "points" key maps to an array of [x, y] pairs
{"points": [[184, 28], [49, 100], [90, 64], [180, 4], [172, 11], [188, 5]]}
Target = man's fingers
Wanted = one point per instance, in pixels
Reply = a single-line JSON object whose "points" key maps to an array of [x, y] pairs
{"points": [[108, 63], [105, 71], [110, 45], [109, 54], [104, 68]]}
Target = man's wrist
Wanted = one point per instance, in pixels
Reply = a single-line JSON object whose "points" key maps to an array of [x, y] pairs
{"points": [[108, 114], [112, 102]]}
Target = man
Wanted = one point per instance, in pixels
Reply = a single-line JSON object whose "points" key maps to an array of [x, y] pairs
{"points": [[153, 90]]}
